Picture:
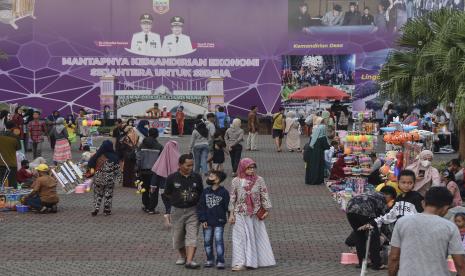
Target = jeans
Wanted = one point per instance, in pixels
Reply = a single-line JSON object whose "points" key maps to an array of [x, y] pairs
{"points": [[11, 177], [235, 154], [252, 141], [34, 202], [200, 158], [149, 200], [360, 239], [208, 234], [36, 149]]}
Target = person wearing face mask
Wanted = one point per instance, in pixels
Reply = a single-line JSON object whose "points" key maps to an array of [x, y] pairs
{"points": [[212, 210], [426, 175]]}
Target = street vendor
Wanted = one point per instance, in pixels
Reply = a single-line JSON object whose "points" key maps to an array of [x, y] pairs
{"points": [[44, 197], [154, 111]]}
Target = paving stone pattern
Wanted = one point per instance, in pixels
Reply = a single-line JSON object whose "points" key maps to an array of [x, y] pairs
{"points": [[305, 226]]}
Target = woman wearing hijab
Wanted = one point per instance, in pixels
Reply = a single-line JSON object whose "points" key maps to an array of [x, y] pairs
{"points": [[105, 164], [249, 199], [199, 147], [51, 123], [233, 138], [128, 146], [314, 155], [426, 175], [71, 128], [166, 164], [142, 130], [62, 150], [292, 132]]}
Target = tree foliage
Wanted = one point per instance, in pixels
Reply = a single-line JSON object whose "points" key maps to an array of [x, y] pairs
{"points": [[429, 65]]}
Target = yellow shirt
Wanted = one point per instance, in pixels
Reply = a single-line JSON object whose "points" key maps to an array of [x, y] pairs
{"points": [[389, 183], [278, 121]]}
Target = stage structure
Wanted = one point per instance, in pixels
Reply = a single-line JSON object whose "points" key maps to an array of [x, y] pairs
{"points": [[134, 99]]}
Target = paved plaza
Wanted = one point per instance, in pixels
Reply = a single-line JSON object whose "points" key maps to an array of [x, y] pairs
{"points": [[306, 228]]}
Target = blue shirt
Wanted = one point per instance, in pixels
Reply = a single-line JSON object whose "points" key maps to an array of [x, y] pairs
{"points": [[213, 206], [220, 119]]}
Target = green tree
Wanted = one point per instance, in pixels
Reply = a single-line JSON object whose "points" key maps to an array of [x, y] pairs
{"points": [[429, 65]]}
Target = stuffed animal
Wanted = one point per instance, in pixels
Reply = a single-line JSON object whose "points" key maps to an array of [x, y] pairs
{"points": [[138, 184]]}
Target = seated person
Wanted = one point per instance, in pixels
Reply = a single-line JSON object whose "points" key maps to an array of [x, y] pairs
{"points": [[44, 197], [362, 209], [24, 175]]}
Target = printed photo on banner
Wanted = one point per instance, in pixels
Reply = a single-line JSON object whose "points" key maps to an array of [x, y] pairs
{"points": [[371, 16], [148, 43], [316, 70], [13, 10]]}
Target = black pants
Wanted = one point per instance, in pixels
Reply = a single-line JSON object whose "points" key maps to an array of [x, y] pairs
{"points": [[360, 239], [235, 154], [149, 200], [11, 176], [160, 182], [52, 142]]}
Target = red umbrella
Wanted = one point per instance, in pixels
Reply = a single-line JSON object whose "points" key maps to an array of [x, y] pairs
{"points": [[320, 92]]}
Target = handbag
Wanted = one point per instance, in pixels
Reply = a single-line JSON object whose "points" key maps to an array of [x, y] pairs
{"points": [[261, 213]]}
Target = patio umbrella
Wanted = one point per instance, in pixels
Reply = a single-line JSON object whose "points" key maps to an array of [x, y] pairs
{"points": [[320, 92]]}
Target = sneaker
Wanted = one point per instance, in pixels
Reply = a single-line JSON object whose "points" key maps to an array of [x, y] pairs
{"points": [[238, 268], [192, 265], [220, 265], [54, 209], [181, 261], [208, 264], [153, 212], [94, 213], [43, 210]]}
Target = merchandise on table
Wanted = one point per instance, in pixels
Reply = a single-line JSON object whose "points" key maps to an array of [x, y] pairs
{"points": [[68, 175], [10, 197]]}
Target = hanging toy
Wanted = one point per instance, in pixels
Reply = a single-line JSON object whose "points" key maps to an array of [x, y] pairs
{"points": [[138, 184]]}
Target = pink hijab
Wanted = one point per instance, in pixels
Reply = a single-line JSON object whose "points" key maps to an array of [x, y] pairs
{"points": [[168, 161], [251, 179]]}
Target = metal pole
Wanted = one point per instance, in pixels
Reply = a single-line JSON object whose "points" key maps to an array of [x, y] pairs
{"points": [[365, 260]]}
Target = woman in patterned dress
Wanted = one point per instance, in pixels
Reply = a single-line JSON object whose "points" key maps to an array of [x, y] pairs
{"points": [[250, 243], [62, 149], [105, 164]]}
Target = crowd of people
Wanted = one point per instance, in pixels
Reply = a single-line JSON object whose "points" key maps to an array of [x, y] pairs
{"points": [[390, 213], [327, 75]]}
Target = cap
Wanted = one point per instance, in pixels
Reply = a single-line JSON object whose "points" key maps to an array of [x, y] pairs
{"points": [[146, 18], [42, 168], [177, 21]]}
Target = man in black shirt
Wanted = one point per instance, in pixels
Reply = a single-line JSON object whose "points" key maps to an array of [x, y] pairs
{"points": [[183, 189]]}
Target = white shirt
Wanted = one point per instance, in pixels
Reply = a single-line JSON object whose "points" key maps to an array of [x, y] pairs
{"points": [[177, 45], [151, 48]]}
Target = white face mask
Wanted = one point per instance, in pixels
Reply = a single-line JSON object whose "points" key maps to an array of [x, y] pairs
{"points": [[425, 163]]}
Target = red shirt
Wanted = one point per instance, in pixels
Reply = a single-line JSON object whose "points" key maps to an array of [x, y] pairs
{"points": [[23, 175], [37, 130]]}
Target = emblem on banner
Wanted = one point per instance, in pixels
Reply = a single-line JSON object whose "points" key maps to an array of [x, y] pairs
{"points": [[161, 6]]}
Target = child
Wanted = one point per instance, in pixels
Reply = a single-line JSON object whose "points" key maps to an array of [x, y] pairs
{"points": [[448, 180], [44, 197], [24, 175], [459, 220], [212, 210], [219, 149], [409, 202], [329, 154]]}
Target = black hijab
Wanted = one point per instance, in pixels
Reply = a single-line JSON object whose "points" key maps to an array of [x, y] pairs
{"points": [[105, 149]]}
